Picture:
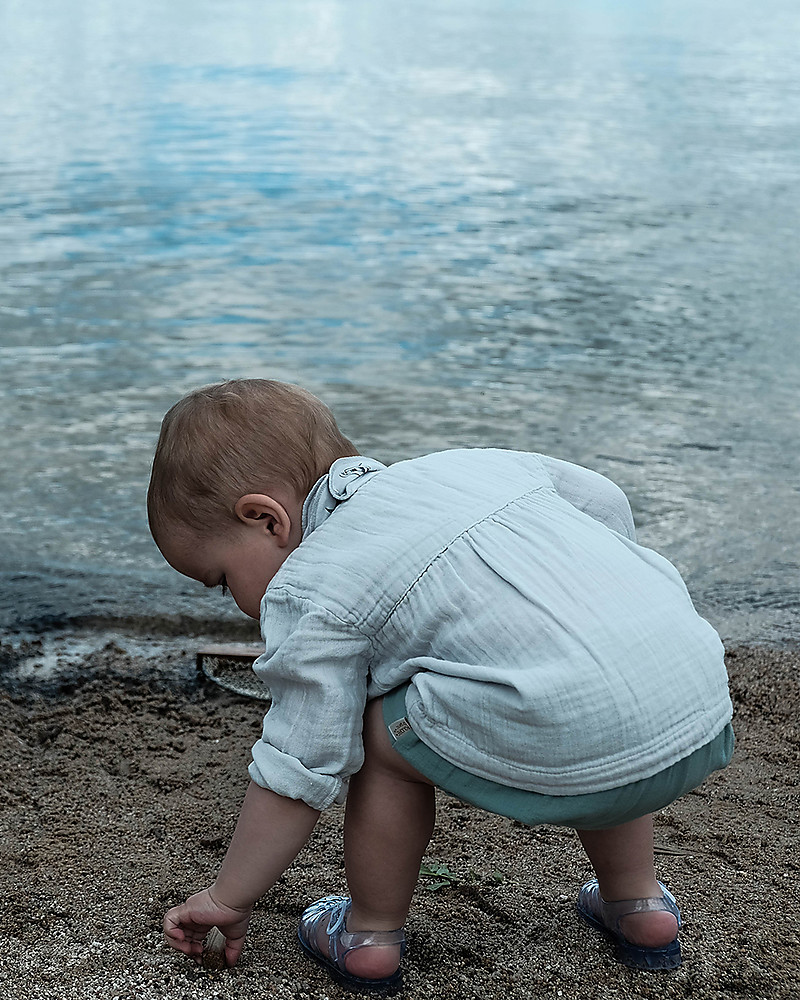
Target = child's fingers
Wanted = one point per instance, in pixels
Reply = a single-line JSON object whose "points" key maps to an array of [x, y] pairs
{"points": [[181, 933], [186, 928], [185, 947], [173, 931], [233, 950]]}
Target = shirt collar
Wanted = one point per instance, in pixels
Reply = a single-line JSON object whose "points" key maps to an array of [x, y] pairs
{"points": [[344, 478]]}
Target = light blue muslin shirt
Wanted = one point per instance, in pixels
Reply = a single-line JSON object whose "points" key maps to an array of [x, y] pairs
{"points": [[545, 648]]}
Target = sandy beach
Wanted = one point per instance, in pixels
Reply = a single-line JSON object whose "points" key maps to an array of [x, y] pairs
{"points": [[122, 785]]}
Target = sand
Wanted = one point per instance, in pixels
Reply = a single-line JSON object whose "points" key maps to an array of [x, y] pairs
{"points": [[122, 784]]}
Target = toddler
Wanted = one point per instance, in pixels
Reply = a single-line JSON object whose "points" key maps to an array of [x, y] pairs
{"points": [[481, 621]]}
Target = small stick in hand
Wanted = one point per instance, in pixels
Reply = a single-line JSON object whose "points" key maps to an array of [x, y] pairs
{"points": [[213, 957]]}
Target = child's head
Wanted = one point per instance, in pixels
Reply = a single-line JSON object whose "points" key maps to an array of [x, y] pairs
{"points": [[224, 441]]}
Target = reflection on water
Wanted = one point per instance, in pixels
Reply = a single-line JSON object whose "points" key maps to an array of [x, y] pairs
{"points": [[567, 228]]}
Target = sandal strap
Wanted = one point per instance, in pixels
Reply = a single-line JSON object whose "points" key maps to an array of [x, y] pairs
{"points": [[351, 940], [615, 909], [341, 941], [606, 915]]}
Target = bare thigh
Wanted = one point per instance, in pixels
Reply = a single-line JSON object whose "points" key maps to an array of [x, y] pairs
{"points": [[378, 749]]}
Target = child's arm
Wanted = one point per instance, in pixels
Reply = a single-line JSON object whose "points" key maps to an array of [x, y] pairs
{"points": [[269, 835], [317, 666]]}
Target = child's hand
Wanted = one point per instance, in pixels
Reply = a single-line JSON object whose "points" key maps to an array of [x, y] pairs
{"points": [[186, 926]]}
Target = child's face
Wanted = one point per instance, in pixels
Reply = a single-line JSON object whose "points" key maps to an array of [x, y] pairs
{"points": [[243, 559]]}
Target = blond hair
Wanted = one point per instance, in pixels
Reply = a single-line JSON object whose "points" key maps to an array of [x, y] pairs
{"points": [[223, 441]]}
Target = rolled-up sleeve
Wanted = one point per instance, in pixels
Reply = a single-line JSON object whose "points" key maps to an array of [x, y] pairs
{"points": [[316, 667]]}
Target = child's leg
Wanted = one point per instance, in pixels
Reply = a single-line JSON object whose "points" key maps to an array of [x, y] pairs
{"points": [[388, 822], [622, 858]]}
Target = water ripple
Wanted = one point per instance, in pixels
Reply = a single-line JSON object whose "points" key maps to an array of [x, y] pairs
{"points": [[462, 224]]}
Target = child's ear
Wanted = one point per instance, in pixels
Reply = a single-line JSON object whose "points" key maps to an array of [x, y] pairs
{"points": [[261, 511]]}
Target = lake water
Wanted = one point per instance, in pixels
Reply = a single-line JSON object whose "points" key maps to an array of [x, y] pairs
{"points": [[563, 227]]}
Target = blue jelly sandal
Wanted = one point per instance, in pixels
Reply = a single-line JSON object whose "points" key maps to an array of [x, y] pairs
{"points": [[333, 910], [606, 916]]}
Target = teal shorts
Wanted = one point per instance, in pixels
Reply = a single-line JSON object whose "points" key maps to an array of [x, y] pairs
{"points": [[593, 811]]}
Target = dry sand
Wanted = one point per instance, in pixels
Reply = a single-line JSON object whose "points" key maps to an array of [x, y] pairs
{"points": [[122, 787]]}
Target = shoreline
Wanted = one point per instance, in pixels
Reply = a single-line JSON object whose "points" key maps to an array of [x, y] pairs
{"points": [[123, 782], [48, 659]]}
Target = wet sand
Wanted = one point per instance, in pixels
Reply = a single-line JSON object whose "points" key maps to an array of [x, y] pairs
{"points": [[121, 787]]}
